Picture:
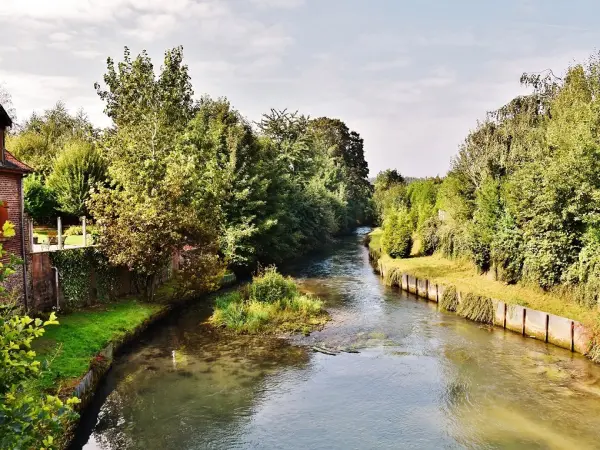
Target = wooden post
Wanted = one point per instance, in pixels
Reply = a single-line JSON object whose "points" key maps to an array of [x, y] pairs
{"points": [[83, 229], [60, 240]]}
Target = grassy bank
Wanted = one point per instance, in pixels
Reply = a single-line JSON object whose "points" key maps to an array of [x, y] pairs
{"points": [[270, 304], [81, 335], [465, 278]]}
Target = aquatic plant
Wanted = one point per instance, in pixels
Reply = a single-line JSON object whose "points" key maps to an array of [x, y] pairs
{"points": [[476, 308], [270, 286], [449, 300], [271, 303]]}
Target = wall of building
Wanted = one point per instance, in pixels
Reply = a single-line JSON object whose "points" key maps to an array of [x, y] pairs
{"points": [[11, 192]]}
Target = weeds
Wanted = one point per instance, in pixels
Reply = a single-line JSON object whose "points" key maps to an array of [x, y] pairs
{"points": [[449, 300], [476, 308]]}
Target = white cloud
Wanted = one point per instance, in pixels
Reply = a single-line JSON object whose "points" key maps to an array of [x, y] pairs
{"points": [[386, 65], [287, 4]]}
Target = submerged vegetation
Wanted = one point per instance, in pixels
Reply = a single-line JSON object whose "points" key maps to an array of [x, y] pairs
{"points": [[271, 303]]}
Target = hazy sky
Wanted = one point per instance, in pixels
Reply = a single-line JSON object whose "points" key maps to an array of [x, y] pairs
{"points": [[412, 77]]}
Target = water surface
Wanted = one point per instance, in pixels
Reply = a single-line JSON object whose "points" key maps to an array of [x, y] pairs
{"points": [[422, 379]]}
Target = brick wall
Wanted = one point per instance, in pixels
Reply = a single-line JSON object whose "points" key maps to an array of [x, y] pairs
{"points": [[10, 191]]}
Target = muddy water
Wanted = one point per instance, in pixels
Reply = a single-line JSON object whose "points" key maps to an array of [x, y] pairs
{"points": [[422, 379]]}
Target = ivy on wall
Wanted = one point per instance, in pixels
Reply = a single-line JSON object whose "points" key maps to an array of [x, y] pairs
{"points": [[85, 276]]}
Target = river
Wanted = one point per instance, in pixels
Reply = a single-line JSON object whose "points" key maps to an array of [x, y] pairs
{"points": [[422, 378]]}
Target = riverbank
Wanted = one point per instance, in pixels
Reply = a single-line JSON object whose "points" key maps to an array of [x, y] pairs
{"points": [[465, 278], [81, 348], [525, 309]]}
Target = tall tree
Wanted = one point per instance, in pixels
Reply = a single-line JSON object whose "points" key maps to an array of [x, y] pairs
{"points": [[158, 202]]}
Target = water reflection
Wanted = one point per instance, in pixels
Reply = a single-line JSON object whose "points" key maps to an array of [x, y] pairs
{"points": [[422, 379]]}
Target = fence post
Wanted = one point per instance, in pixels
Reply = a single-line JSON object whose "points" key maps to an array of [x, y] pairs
{"points": [[83, 229], [31, 235], [60, 238]]}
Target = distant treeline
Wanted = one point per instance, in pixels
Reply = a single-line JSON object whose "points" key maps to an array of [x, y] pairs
{"points": [[522, 197]]}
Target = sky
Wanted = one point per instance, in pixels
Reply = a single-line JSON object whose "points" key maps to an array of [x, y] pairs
{"points": [[412, 77]]}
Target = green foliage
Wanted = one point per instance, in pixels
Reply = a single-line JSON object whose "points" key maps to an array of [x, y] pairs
{"points": [[40, 200], [397, 234], [77, 230], [449, 300], [42, 138], [270, 286], [160, 199], [422, 197], [476, 308], [271, 303], [429, 235], [75, 269], [78, 169], [27, 420]]}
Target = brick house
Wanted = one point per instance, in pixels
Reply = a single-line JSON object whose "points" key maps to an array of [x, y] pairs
{"points": [[12, 172]]}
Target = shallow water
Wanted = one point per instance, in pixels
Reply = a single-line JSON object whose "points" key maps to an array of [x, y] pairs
{"points": [[422, 379]]}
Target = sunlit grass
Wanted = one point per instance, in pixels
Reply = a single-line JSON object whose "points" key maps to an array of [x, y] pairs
{"points": [[73, 343], [464, 276]]}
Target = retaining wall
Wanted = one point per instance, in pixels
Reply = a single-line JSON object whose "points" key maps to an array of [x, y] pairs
{"points": [[560, 331]]}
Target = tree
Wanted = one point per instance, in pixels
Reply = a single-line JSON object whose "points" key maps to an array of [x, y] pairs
{"points": [[397, 234], [40, 200], [41, 138], [78, 169], [159, 201], [231, 156]]}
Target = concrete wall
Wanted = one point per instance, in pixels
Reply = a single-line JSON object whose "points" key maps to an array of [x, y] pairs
{"points": [[412, 284], [499, 313], [422, 288], [536, 324], [560, 331], [515, 318], [556, 330], [405, 282], [432, 292]]}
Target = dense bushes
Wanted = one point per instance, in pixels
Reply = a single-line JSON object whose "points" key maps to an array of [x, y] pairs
{"points": [[522, 198], [397, 234], [40, 201], [271, 303]]}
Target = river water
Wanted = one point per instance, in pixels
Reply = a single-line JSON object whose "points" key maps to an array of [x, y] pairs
{"points": [[422, 378]]}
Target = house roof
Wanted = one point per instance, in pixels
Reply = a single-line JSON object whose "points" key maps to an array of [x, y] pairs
{"points": [[5, 120], [13, 164]]}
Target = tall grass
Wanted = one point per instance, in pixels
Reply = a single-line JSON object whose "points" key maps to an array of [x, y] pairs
{"points": [[477, 308], [271, 303], [449, 300]]}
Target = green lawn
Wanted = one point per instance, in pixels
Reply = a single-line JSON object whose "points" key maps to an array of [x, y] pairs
{"points": [[68, 240], [464, 276], [81, 335]]}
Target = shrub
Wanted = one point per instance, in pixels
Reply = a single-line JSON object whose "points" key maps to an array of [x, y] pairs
{"points": [[27, 419], [40, 201], [77, 230], [449, 300], [397, 234], [430, 240], [78, 169], [270, 303], [477, 308], [270, 286]]}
